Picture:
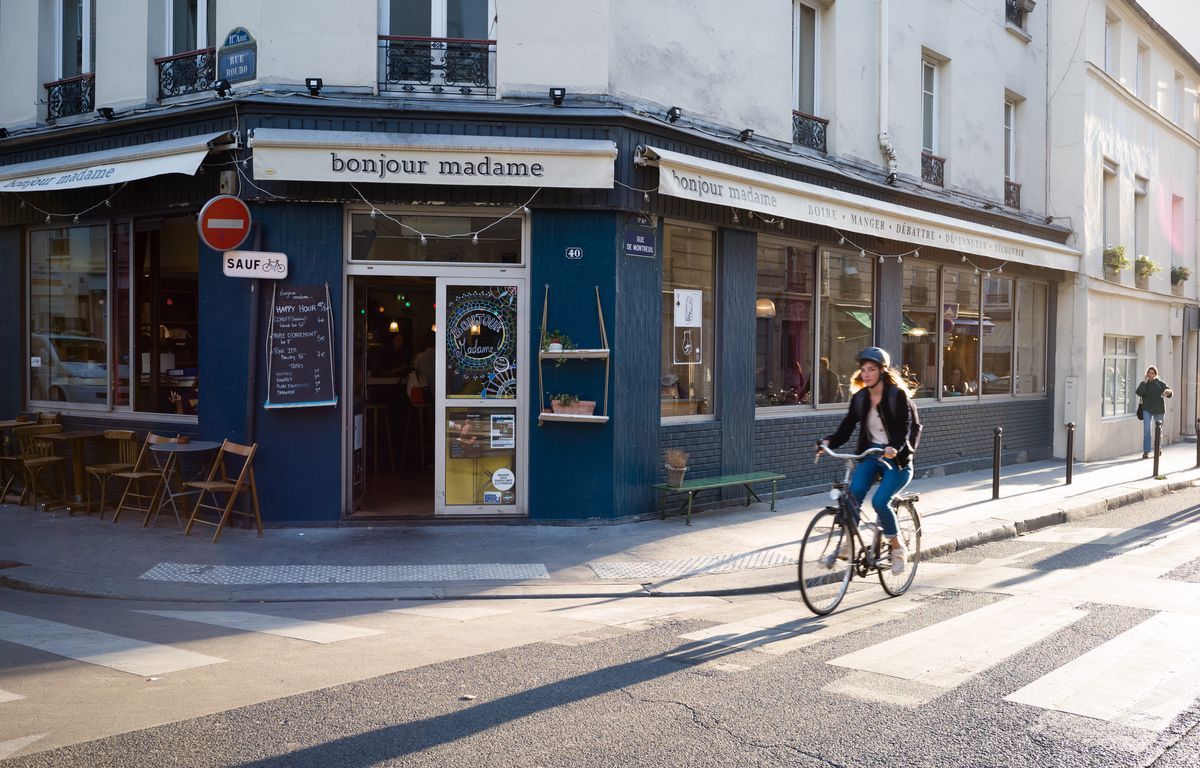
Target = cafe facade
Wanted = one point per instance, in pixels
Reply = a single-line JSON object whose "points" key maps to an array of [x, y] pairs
{"points": [[708, 295]]}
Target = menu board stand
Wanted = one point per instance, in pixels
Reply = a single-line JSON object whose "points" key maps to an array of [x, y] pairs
{"points": [[300, 371]]}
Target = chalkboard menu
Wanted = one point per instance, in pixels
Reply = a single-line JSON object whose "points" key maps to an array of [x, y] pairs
{"points": [[300, 348]]}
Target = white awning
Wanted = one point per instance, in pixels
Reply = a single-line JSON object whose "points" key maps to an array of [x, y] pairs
{"points": [[403, 158], [111, 166], [704, 181]]}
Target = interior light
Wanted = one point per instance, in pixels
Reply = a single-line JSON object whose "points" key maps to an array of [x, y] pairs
{"points": [[394, 327], [764, 308]]}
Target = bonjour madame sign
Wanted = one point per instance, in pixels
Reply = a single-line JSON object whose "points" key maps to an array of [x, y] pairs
{"points": [[292, 155]]}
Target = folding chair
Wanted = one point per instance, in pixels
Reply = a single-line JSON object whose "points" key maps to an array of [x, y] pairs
{"points": [[127, 455], [19, 480], [37, 457], [232, 490], [135, 498]]}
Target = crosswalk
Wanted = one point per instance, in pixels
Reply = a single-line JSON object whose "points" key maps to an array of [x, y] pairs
{"points": [[1143, 677]]}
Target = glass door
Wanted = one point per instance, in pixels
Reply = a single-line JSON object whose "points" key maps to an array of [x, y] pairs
{"points": [[480, 393]]}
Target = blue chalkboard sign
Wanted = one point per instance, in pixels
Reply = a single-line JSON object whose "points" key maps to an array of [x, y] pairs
{"points": [[300, 348], [237, 59]]}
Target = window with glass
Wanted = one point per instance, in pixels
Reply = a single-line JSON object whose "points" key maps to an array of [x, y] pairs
{"points": [[997, 335], [459, 19], [847, 311], [1141, 216], [1031, 338], [783, 322], [192, 24], [687, 384], [1142, 83], [77, 37], [960, 333], [805, 31], [1120, 376], [115, 329], [1112, 45], [444, 239], [929, 105], [919, 329], [1010, 137]]}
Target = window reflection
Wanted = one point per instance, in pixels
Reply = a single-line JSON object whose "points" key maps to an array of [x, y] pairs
{"points": [[783, 312], [918, 353], [960, 333], [847, 291], [687, 382]]}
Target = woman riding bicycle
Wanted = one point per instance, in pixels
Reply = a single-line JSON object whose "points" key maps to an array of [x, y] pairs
{"points": [[883, 411]]}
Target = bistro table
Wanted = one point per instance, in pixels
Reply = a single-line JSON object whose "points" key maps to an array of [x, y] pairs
{"points": [[74, 438], [170, 468]]}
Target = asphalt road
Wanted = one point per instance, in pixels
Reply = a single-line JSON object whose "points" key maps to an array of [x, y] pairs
{"points": [[989, 661]]}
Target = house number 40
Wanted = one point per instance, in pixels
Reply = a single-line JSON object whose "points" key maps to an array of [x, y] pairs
{"points": [[574, 253]]}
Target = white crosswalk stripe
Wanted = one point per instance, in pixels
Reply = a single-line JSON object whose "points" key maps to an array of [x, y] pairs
{"points": [[9, 696], [113, 651], [1142, 678], [455, 611], [312, 631], [12, 746]]}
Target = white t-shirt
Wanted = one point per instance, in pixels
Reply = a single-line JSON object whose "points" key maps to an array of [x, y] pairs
{"points": [[875, 429]]}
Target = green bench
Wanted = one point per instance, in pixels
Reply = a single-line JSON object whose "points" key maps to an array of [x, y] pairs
{"points": [[697, 484]]}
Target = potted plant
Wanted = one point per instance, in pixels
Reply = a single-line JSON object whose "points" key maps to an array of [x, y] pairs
{"points": [[569, 403], [1143, 268], [557, 341], [1114, 259], [1180, 274], [676, 466]]}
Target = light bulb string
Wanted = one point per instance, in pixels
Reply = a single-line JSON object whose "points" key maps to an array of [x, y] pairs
{"points": [[106, 201], [899, 257], [474, 235], [979, 269]]}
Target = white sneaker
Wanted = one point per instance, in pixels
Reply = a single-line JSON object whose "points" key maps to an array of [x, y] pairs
{"points": [[899, 560], [843, 553]]}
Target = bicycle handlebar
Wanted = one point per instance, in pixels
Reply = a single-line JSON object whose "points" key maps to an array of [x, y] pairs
{"points": [[850, 456]]}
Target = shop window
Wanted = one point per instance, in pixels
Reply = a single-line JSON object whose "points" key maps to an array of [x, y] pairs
{"points": [[960, 333], [847, 293], [115, 332], [1120, 376], [919, 329], [997, 335], [784, 373], [447, 239], [688, 380], [1031, 338]]}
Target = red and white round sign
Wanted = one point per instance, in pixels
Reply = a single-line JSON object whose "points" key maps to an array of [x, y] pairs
{"points": [[224, 222]]}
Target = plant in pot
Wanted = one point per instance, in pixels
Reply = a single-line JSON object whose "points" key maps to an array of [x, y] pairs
{"points": [[557, 341], [1144, 267], [568, 403], [1114, 259], [1180, 274], [676, 466]]}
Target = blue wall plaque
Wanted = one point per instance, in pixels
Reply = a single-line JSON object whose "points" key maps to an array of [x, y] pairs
{"points": [[237, 59]]}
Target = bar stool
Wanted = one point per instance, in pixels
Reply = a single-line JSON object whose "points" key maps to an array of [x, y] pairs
{"points": [[420, 409], [374, 411]]}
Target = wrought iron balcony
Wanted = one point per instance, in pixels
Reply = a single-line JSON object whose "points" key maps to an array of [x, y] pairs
{"points": [[188, 72], [1012, 193], [809, 130], [437, 65], [933, 169], [1015, 11], [71, 96]]}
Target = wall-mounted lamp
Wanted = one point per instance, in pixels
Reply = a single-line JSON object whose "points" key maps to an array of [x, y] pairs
{"points": [[394, 327], [314, 85], [674, 113], [746, 134], [221, 88], [764, 308], [891, 178], [106, 112], [557, 95]]}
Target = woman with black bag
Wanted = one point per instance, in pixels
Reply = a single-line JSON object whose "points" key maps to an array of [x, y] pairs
{"points": [[1152, 390]]}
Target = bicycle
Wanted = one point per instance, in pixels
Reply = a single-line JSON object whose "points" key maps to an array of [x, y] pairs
{"points": [[833, 548], [274, 265]]}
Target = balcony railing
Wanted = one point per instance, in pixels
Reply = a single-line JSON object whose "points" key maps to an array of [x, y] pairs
{"points": [[188, 72], [933, 169], [809, 130], [437, 65], [1015, 11], [71, 96], [1012, 193]]}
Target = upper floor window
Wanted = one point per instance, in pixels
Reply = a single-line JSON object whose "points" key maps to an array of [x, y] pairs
{"points": [[929, 105], [1177, 100], [456, 19], [804, 26], [1142, 84], [191, 25], [76, 20], [1016, 12], [1112, 45], [1010, 139]]}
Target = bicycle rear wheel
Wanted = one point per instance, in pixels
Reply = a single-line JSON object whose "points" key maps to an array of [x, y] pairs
{"points": [[823, 574], [908, 523]]}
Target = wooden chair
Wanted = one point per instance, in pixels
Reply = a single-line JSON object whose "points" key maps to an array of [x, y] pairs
{"points": [[36, 456], [127, 455], [231, 489], [145, 470]]}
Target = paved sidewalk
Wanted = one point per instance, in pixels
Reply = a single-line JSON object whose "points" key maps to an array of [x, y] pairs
{"points": [[726, 551]]}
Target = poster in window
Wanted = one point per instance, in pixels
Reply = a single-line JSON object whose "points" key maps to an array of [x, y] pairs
{"points": [[689, 308], [504, 431], [688, 349]]}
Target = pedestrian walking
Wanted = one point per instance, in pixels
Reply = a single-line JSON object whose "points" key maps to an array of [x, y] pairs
{"points": [[1152, 391]]}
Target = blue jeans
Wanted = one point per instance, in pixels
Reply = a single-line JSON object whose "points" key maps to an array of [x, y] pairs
{"points": [[892, 482], [1148, 431]]}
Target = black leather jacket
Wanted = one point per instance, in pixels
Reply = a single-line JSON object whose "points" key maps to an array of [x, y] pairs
{"points": [[900, 420]]}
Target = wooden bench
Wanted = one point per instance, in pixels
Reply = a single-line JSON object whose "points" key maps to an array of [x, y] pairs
{"points": [[697, 484]]}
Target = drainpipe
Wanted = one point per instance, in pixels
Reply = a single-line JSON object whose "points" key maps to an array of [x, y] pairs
{"points": [[885, 141]]}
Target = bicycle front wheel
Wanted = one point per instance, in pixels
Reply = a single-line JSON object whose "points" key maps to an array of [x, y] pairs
{"points": [[908, 523], [826, 554]]}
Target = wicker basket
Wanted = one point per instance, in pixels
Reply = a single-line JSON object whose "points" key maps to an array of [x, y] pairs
{"points": [[675, 475]]}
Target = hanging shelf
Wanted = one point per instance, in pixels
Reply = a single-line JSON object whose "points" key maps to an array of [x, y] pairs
{"points": [[572, 354]]}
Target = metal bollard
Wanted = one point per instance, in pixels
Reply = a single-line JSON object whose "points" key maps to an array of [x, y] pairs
{"points": [[997, 439], [1070, 450], [1157, 442]]}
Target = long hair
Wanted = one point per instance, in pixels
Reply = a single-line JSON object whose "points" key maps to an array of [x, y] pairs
{"points": [[887, 375]]}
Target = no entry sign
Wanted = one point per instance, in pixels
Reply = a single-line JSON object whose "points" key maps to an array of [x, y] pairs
{"points": [[224, 223]]}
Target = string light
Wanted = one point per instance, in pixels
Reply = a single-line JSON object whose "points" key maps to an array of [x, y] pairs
{"points": [[645, 192], [864, 253], [735, 216], [424, 236], [73, 215], [475, 239], [979, 269]]}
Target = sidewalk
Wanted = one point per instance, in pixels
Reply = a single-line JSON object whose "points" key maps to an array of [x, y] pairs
{"points": [[726, 551]]}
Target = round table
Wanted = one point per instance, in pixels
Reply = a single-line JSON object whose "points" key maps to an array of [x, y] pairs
{"points": [[173, 452]]}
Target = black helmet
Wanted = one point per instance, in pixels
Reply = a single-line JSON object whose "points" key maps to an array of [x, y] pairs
{"points": [[875, 355]]}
